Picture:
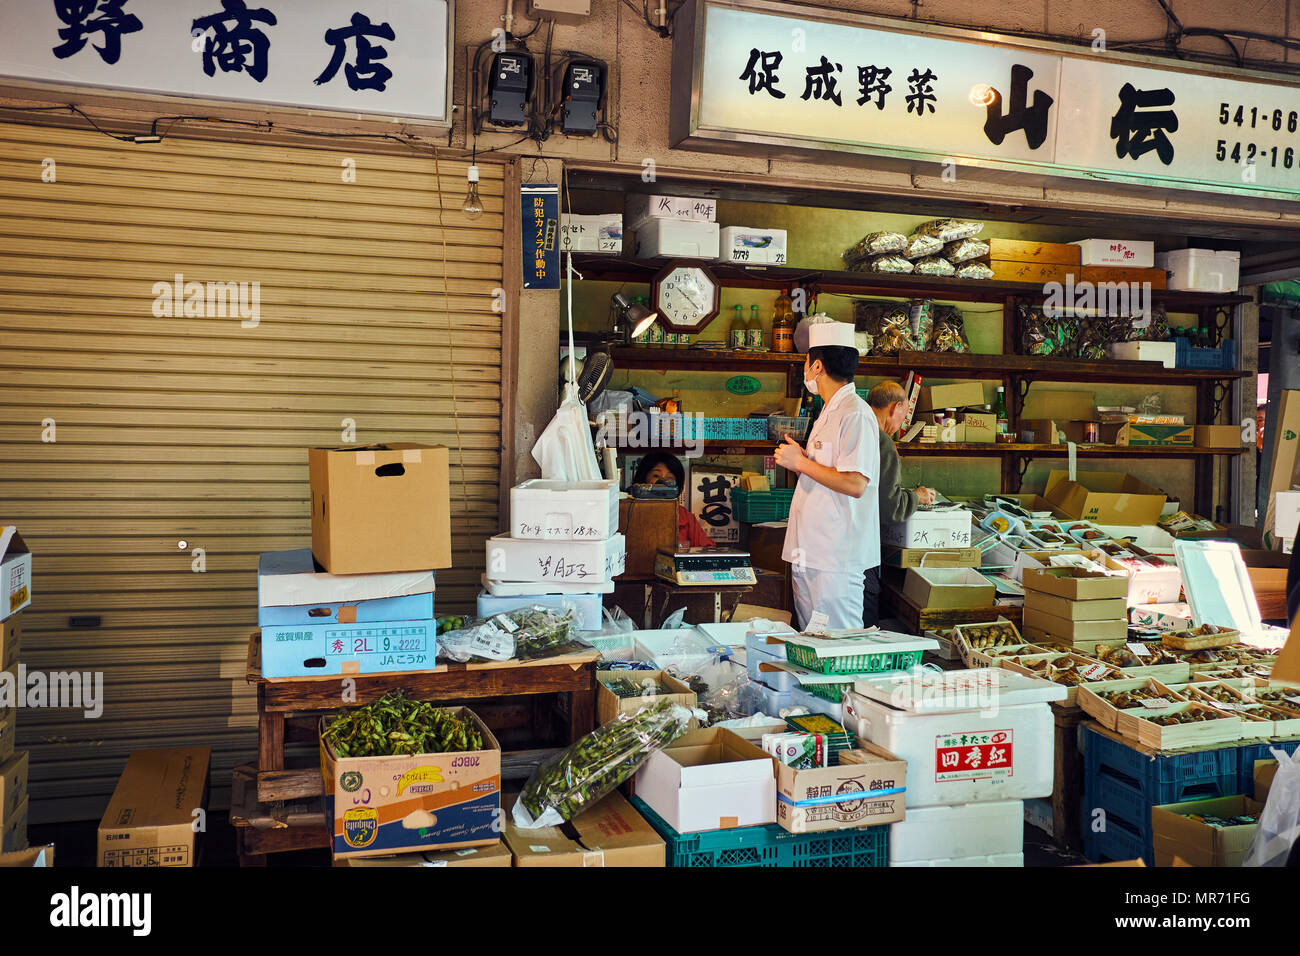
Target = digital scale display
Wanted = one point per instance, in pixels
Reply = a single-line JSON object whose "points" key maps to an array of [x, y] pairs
{"points": [[705, 567]]}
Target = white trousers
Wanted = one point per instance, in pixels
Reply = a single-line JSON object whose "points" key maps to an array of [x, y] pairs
{"points": [[837, 594]]}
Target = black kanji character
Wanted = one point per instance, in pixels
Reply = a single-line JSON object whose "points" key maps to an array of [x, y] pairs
{"points": [[764, 78], [1033, 119], [238, 48], [922, 94], [819, 84], [715, 489], [111, 22], [871, 81], [366, 75], [1135, 133], [717, 514]]}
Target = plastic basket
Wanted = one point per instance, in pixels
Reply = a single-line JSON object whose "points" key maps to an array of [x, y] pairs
{"points": [[1247, 755], [779, 426], [1172, 778], [1188, 356], [831, 692], [805, 656], [752, 507], [1116, 843], [770, 845]]}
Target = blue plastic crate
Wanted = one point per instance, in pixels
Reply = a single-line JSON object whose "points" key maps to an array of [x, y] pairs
{"points": [[1119, 799], [1169, 779], [770, 845], [1187, 356], [1247, 755], [1116, 843]]}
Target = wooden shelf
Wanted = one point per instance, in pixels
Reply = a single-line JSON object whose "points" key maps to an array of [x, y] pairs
{"points": [[617, 269], [963, 450]]}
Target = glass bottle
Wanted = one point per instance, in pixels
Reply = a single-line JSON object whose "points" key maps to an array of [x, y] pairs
{"points": [[1000, 410], [783, 324], [736, 337], [754, 331]]}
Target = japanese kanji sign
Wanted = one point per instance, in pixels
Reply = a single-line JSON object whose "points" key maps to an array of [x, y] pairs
{"points": [[975, 755], [360, 56], [767, 72], [540, 221], [711, 503]]}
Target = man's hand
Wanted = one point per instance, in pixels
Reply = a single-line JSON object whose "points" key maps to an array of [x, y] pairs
{"points": [[790, 456], [925, 495]]}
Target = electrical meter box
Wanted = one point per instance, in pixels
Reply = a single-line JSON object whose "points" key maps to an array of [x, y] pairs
{"points": [[561, 11]]}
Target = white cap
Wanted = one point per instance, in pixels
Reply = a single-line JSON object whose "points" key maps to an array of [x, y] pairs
{"points": [[823, 334]]}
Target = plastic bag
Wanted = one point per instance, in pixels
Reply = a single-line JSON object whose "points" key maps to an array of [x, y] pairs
{"points": [[892, 263], [874, 244], [583, 773], [727, 681], [949, 333], [920, 320], [1279, 824], [890, 331], [919, 245], [974, 270], [950, 230], [524, 633], [1044, 334], [934, 266], [964, 250]]}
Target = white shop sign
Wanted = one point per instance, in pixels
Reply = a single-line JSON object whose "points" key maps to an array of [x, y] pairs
{"points": [[358, 56], [754, 71]]}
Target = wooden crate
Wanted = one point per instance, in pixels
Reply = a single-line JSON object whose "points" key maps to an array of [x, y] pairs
{"points": [[1028, 250], [917, 620], [1200, 642], [1223, 729], [1106, 713]]}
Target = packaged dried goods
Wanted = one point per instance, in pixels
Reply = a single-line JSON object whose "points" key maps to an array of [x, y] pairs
{"points": [[949, 333], [963, 250], [974, 270], [950, 230], [934, 266], [919, 245], [874, 244]]}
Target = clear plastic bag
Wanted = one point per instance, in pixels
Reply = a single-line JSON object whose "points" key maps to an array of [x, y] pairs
{"points": [[949, 333], [974, 270], [892, 264], [934, 266], [1279, 824], [950, 230], [963, 250], [524, 633], [920, 245], [583, 773], [875, 244]]}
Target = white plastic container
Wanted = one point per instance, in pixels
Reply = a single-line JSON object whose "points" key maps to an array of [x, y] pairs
{"points": [[1201, 270], [1162, 352], [1002, 859], [681, 650], [677, 237], [782, 681], [749, 245], [757, 697], [525, 588], [930, 529], [944, 833], [560, 562], [592, 233], [588, 606], [640, 206], [564, 510], [968, 736], [1132, 253]]}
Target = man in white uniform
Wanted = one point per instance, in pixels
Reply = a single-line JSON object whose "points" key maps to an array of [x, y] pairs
{"points": [[834, 532]]}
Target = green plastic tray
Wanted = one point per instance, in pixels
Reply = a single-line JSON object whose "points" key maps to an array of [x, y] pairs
{"points": [[805, 656]]}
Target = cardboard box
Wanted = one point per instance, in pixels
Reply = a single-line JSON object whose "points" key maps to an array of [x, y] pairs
{"points": [[1286, 514], [11, 641], [981, 427], [1199, 844], [929, 529], [15, 572], [1028, 250], [1075, 584], [611, 833], [1105, 497], [754, 612], [13, 830], [318, 650], [36, 856], [1163, 352], [1068, 630], [948, 588], [13, 784], [1110, 609], [1133, 253], [709, 779], [1099, 274], [380, 508], [843, 796], [1108, 433], [931, 557], [495, 854], [1060, 405], [1265, 771], [564, 510], [1284, 469], [378, 806], [1039, 431], [291, 590], [150, 818], [957, 395], [8, 721], [609, 705], [1218, 436], [1161, 435]]}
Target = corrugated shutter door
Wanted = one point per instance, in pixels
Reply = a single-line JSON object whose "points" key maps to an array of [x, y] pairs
{"points": [[179, 433]]}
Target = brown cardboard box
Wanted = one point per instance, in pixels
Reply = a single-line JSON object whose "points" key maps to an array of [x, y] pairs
{"points": [[1161, 435], [1218, 436], [1075, 584], [379, 508], [1174, 834], [957, 395], [981, 427], [1099, 274], [150, 818], [1039, 431], [1110, 609], [754, 612], [948, 588], [1108, 433], [871, 793], [13, 784], [36, 856], [609, 705], [15, 572], [418, 802], [931, 557], [611, 833], [1265, 771], [8, 720], [11, 641], [1105, 497], [13, 831], [1065, 629], [1028, 250], [495, 854], [1061, 405], [648, 526], [755, 483]]}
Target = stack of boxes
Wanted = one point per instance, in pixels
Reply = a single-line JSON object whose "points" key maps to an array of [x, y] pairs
{"points": [[676, 226], [563, 545], [361, 599], [16, 575], [1075, 607]]}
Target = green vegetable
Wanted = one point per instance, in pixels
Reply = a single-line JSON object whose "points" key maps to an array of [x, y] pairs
{"points": [[395, 724], [623, 689]]}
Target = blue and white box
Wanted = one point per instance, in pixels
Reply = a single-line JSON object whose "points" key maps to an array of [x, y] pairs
{"points": [[322, 650], [291, 590]]}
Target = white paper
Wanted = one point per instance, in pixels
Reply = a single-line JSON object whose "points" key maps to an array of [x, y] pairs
{"points": [[1138, 648]]}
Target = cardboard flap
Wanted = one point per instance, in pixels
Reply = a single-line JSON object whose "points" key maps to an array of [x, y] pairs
{"points": [[11, 542]]}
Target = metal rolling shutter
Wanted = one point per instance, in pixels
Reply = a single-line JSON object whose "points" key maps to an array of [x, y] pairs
{"points": [[196, 429]]}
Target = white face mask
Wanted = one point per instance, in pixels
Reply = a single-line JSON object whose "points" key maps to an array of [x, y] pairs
{"points": [[811, 384]]}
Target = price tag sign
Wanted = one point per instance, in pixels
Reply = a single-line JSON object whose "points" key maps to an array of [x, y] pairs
{"points": [[1138, 648], [817, 623], [1093, 671], [1157, 703]]}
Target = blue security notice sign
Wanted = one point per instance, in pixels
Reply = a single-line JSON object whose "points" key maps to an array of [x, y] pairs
{"points": [[540, 208]]}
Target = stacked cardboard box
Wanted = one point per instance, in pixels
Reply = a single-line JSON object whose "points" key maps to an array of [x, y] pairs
{"points": [[158, 810], [1074, 607], [16, 573]]}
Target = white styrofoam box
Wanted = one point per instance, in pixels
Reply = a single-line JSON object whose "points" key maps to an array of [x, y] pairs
{"points": [[603, 233], [525, 588], [737, 634], [1286, 510], [560, 562], [759, 644], [1133, 253], [750, 244], [640, 207], [289, 580], [1148, 537], [1201, 270], [1162, 352], [1002, 859], [587, 606], [564, 510], [968, 736], [676, 237], [1155, 585], [930, 529], [970, 829], [779, 680]]}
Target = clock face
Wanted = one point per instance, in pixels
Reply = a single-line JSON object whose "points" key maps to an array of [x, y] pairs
{"points": [[687, 298]]}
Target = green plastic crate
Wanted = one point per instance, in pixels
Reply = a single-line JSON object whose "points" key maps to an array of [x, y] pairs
{"points": [[832, 692], [753, 507], [770, 845], [875, 663]]}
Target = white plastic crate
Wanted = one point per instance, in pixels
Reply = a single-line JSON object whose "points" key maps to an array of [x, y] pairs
{"points": [[971, 829], [555, 562]]}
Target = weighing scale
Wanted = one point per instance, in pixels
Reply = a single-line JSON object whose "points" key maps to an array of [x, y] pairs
{"points": [[705, 567]]}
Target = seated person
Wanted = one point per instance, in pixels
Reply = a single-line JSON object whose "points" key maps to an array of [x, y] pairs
{"points": [[659, 468]]}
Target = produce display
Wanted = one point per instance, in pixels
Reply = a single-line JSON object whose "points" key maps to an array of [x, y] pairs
{"points": [[1128, 699], [1241, 820], [1069, 672], [1189, 716], [624, 688], [524, 633], [1286, 701], [994, 634], [1217, 692], [395, 724], [449, 623], [582, 774], [1121, 656]]}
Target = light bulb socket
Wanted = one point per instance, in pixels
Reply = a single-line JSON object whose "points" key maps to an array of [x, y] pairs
{"points": [[472, 175]]}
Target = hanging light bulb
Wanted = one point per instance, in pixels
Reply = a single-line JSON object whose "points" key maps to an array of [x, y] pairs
{"points": [[473, 206]]}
